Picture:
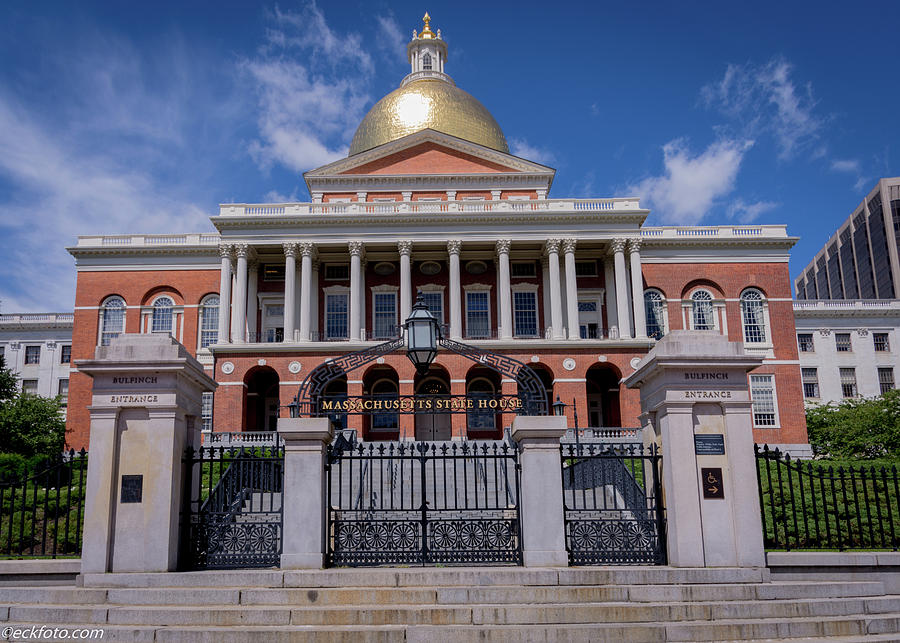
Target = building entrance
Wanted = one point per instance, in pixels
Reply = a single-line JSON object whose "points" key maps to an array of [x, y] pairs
{"points": [[433, 426]]}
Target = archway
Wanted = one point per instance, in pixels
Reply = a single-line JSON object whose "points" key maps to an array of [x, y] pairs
{"points": [[434, 384], [481, 384], [381, 383], [337, 390], [262, 406], [602, 393], [545, 374]]}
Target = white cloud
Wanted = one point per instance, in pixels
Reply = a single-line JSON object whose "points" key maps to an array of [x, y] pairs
{"points": [[391, 39], [691, 184], [522, 148], [765, 99], [311, 85], [745, 212], [845, 165]]}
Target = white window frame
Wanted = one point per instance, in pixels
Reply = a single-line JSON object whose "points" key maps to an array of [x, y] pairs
{"points": [[382, 290], [331, 291], [665, 310], [715, 304], [803, 383], [532, 288], [855, 382], [201, 319], [767, 326], [771, 376], [103, 308], [595, 295], [436, 288], [265, 301], [177, 317], [65, 399], [473, 288], [28, 347]]}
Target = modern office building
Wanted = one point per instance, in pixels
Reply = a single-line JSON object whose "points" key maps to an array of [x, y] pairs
{"points": [[861, 260], [430, 201], [37, 347]]}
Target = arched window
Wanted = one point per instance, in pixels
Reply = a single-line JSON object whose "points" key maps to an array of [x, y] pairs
{"points": [[385, 389], [162, 315], [655, 310], [702, 311], [753, 316], [209, 321], [481, 388], [112, 319], [426, 61]]}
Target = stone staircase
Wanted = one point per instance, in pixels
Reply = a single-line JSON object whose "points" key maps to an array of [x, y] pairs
{"points": [[461, 604]]}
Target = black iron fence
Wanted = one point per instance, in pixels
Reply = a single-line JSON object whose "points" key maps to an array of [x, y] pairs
{"points": [[807, 505], [612, 503], [423, 503], [42, 510], [233, 512]]}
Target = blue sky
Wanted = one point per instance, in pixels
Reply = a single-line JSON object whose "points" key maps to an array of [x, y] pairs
{"points": [[120, 117]]}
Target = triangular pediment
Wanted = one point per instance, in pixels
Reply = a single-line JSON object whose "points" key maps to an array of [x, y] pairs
{"points": [[429, 152]]}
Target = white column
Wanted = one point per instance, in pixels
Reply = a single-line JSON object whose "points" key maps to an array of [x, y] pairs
{"points": [[306, 252], [239, 310], [618, 248], [290, 290], [363, 314], [506, 326], [556, 318], [571, 289], [356, 250], [252, 301], [454, 247], [314, 303], [405, 248], [225, 295], [637, 288], [612, 318]]}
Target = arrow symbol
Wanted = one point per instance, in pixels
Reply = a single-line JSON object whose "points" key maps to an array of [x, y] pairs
{"points": [[713, 489]]}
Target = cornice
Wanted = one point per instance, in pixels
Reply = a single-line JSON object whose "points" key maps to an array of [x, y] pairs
{"points": [[159, 250]]}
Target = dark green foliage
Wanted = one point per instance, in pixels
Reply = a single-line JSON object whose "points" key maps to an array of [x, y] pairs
{"points": [[8, 384], [856, 428], [12, 466], [31, 424]]}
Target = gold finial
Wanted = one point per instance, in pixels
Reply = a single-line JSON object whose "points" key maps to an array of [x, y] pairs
{"points": [[426, 30]]}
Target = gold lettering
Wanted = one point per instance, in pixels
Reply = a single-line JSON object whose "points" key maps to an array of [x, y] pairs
{"points": [[327, 405], [492, 403], [482, 404]]}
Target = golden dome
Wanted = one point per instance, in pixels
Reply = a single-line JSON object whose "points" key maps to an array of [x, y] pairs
{"points": [[423, 104]]}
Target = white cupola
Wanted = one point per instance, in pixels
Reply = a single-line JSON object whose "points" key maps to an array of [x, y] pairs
{"points": [[427, 54]]}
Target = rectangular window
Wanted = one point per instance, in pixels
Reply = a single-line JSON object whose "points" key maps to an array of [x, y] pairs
{"points": [[848, 382], [805, 342], [435, 302], [384, 305], [337, 316], [337, 271], [65, 354], [525, 314], [762, 392], [209, 325], [523, 269], [882, 345], [206, 411], [886, 379], [273, 272], [29, 386], [63, 391], [586, 268], [32, 354], [842, 342], [478, 315], [810, 382]]}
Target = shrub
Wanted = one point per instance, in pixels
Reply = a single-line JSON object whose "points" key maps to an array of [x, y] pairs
{"points": [[12, 466], [856, 428]]}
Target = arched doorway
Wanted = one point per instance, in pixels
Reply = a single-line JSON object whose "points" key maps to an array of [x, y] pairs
{"points": [[433, 426], [337, 390], [545, 374], [483, 383], [262, 406], [381, 383], [602, 393]]}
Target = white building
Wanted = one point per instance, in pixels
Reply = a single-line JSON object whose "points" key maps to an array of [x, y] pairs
{"points": [[848, 348], [37, 347]]}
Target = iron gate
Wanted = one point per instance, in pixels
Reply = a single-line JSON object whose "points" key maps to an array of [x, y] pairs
{"points": [[233, 513], [422, 503], [612, 500]]}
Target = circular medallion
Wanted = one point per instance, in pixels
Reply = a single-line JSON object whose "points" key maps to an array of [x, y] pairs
{"points": [[535, 358], [601, 358], [430, 268], [569, 364], [476, 267], [385, 268], [294, 367], [227, 368], [635, 361], [380, 360]]}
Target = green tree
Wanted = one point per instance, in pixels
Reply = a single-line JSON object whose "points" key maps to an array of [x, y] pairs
{"points": [[29, 424], [856, 428]]}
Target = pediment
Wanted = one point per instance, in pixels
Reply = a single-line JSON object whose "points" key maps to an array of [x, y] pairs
{"points": [[429, 152]]}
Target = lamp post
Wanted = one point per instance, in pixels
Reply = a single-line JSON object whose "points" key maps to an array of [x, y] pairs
{"points": [[559, 409], [422, 335]]}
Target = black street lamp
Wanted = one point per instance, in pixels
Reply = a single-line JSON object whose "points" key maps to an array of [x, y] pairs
{"points": [[422, 334], [559, 407]]}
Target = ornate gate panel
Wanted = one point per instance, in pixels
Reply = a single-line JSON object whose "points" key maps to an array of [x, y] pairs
{"points": [[233, 517], [612, 500], [404, 503]]}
